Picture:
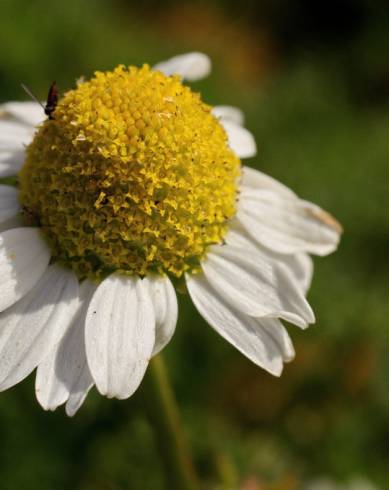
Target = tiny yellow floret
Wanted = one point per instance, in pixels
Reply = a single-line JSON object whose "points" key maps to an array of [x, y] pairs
{"points": [[134, 174]]}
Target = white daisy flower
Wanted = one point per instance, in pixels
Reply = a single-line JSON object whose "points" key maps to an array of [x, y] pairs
{"points": [[136, 182]]}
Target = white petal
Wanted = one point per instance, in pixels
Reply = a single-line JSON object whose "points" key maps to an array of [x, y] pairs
{"points": [[229, 113], [24, 257], [17, 127], [238, 237], [254, 179], [77, 398], [287, 225], [120, 335], [9, 206], [191, 66], [29, 113], [300, 265], [14, 135], [240, 140], [32, 327], [11, 161], [280, 336], [242, 331], [255, 285], [164, 299], [64, 375]]}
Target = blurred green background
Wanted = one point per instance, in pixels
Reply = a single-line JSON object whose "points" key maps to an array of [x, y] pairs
{"points": [[313, 80]]}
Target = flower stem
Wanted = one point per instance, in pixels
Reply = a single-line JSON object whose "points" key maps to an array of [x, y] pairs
{"points": [[162, 411]]}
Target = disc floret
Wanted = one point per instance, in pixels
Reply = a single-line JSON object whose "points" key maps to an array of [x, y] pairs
{"points": [[134, 173]]}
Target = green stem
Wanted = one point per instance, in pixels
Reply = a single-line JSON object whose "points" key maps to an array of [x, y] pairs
{"points": [[164, 417]]}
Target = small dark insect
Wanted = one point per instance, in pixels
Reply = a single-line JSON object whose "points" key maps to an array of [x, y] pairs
{"points": [[52, 99]]}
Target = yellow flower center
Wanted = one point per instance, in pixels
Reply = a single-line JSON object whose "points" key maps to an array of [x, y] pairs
{"points": [[134, 173]]}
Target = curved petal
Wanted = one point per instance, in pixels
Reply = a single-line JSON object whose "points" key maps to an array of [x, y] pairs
{"points": [[28, 113], [254, 179], [191, 66], [240, 140], [164, 299], [255, 285], [119, 335], [14, 135], [24, 257], [64, 375], [300, 265], [287, 225], [243, 332], [9, 206], [229, 113], [17, 122], [280, 336], [32, 327], [11, 161]]}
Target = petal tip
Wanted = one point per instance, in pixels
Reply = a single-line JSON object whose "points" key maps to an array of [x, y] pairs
{"points": [[276, 370], [191, 66], [327, 219]]}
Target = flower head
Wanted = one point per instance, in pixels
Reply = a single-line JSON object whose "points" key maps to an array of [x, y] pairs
{"points": [[136, 180], [133, 174]]}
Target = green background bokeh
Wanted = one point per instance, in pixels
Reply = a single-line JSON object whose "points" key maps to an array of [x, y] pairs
{"points": [[314, 85]]}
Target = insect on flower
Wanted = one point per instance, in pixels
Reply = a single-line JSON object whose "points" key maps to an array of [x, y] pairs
{"points": [[51, 102], [95, 272]]}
